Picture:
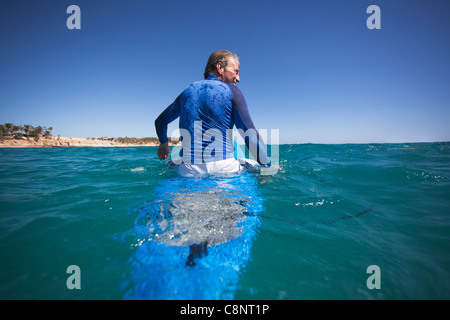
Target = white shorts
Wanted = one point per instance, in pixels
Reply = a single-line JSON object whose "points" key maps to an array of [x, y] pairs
{"points": [[221, 167]]}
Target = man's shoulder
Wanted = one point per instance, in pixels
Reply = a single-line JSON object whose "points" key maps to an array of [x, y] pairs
{"points": [[237, 93], [208, 85]]}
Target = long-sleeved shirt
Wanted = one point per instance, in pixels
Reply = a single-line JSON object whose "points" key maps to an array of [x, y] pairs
{"points": [[208, 110]]}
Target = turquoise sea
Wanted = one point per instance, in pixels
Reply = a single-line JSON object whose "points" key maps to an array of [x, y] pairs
{"points": [[311, 231]]}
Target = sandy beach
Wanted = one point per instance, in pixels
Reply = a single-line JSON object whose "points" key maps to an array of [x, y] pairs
{"points": [[70, 142]]}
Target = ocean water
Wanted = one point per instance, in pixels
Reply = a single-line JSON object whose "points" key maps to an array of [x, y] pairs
{"points": [[309, 232]]}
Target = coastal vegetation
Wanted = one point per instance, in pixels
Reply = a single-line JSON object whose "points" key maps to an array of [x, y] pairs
{"points": [[11, 131]]}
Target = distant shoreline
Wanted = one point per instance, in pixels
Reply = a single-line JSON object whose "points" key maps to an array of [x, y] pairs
{"points": [[67, 142]]}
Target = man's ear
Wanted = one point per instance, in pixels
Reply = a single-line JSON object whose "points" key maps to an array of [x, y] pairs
{"points": [[220, 68]]}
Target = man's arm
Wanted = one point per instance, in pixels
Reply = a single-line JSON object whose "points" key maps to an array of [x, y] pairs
{"points": [[243, 121], [167, 116]]}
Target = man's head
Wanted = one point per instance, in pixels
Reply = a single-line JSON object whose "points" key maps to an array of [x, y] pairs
{"points": [[224, 65]]}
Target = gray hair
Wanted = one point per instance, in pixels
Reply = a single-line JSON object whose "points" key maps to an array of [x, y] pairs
{"points": [[219, 56]]}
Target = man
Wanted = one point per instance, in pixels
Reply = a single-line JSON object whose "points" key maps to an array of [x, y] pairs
{"points": [[208, 110]]}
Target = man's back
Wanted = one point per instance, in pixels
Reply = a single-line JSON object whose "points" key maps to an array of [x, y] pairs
{"points": [[208, 110], [206, 113]]}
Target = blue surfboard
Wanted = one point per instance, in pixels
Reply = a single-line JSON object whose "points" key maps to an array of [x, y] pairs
{"points": [[194, 237]]}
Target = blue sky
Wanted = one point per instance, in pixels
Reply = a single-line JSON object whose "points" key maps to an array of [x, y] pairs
{"points": [[311, 69]]}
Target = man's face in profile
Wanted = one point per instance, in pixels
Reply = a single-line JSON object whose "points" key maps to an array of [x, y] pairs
{"points": [[231, 72]]}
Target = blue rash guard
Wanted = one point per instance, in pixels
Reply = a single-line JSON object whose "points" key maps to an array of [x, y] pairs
{"points": [[208, 110]]}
